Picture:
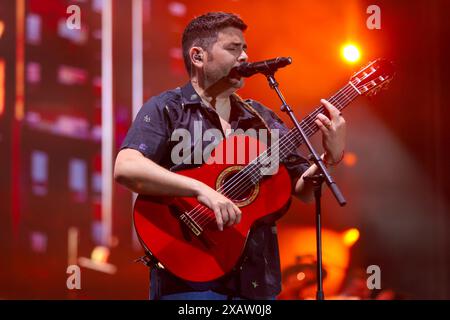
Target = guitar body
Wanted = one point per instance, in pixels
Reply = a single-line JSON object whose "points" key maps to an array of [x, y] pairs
{"points": [[214, 253]]}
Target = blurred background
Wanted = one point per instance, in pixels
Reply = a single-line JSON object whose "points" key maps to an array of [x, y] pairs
{"points": [[68, 96]]}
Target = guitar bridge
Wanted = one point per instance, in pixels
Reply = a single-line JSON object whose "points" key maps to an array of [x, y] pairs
{"points": [[191, 224]]}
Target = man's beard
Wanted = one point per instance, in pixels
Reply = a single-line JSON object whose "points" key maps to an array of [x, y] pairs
{"points": [[235, 78], [227, 79], [236, 82]]}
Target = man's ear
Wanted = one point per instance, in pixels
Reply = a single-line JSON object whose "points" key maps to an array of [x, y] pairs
{"points": [[196, 54]]}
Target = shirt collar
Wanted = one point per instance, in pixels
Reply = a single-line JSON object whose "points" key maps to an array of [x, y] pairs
{"points": [[240, 112], [190, 97]]}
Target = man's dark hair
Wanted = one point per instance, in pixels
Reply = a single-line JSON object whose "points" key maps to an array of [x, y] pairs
{"points": [[203, 31]]}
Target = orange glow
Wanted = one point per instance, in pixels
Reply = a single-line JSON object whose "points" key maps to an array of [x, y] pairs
{"points": [[350, 53], [20, 59], [350, 159], [295, 241], [2, 28], [2, 86], [350, 237], [100, 254]]}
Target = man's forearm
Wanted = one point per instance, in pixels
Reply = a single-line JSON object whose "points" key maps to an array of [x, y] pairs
{"points": [[144, 176]]}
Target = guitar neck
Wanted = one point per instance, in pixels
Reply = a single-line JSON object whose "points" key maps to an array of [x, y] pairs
{"points": [[340, 100], [293, 139]]}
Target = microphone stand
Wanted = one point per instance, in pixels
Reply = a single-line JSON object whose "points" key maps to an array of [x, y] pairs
{"points": [[316, 180]]}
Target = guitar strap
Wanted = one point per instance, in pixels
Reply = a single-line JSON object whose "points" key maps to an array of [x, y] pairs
{"points": [[250, 108]]}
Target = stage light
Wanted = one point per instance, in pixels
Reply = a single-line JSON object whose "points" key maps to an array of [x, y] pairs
{"points": [[350, 53], [100, 254], [350, 236], [2, 28], [98, 261], [350, 159], [301, 276], [2, 86], [177, 9]]}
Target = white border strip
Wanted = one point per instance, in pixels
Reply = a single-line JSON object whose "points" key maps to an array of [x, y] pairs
{"points": [[107, 122], [72, 246], [137, 56], [137, 80]]}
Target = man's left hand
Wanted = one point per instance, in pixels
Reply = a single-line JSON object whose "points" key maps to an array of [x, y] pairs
{"points": [[333, 132]]}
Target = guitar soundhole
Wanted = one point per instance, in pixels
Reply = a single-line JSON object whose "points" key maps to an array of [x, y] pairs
{"points": [[239, 190]]}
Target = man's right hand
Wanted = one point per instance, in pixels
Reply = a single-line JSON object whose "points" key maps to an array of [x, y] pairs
{"points": [[227, 213], [144, 176]]}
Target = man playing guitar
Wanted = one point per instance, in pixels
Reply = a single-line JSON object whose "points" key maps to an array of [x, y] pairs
{"points": [[213, 44]]}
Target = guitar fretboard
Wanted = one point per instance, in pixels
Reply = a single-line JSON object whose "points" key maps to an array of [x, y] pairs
{"points": [[289, 142]]}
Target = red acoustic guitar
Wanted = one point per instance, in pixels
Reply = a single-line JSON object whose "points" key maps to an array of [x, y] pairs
{"points": [[182, 235]]}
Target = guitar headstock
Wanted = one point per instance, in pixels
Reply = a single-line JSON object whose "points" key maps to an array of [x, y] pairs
{"points": [[373, 77]]}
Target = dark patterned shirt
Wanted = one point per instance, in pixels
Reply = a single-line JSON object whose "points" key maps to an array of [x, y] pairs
{"points": [[258, 276]]}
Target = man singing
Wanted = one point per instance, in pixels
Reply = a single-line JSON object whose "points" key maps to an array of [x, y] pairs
{"points": [[213, 44]]}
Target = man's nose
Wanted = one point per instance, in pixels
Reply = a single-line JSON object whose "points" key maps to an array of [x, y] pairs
{"points": [[243, 57]]}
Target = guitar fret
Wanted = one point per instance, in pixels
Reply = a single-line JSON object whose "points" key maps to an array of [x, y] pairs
{"points": [[292, 140]]}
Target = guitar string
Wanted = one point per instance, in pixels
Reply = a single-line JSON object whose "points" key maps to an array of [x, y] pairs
{"points": [[249, 182], [286, 139], [350, 85], [293, 135]]}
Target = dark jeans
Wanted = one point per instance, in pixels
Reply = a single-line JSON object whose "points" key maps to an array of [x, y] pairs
{"points": [[197, 295], [189, 295]]}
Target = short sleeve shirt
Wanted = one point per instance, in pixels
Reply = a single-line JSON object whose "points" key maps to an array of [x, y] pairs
{"points": [[258, 275]]}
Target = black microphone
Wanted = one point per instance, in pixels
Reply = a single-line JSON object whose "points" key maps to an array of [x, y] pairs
{"points": [[246, 69]]}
